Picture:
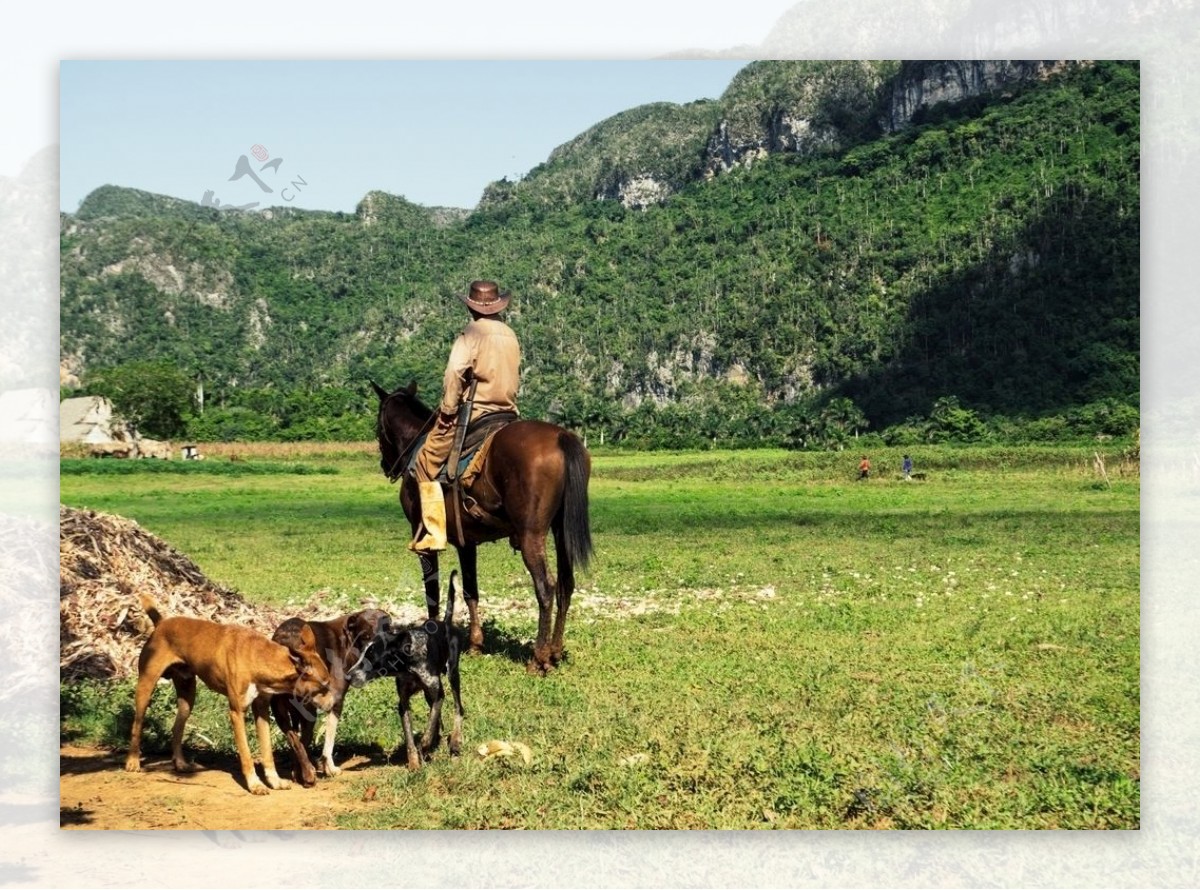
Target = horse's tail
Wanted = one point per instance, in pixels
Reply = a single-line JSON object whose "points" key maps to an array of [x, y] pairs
{"points": [[574, 528]]}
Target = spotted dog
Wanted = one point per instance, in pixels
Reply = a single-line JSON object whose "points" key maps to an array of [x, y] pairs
{"points": [[417, 657]]}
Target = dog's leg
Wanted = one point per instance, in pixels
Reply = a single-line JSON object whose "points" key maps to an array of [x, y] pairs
{"points": [[185, 698], [150, 668], [261, 708], [307, 721], [435, 694], [292, 724], [308, 726], [414, 756], [238, 718], [330, 733]]}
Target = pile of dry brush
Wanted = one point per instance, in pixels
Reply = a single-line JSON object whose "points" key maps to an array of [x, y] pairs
{"points": [[106, 561]]}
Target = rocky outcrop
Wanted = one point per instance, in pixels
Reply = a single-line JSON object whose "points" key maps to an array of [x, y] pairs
{"points": [[213, 287], [642, 156], [638, 157], [793, 107], [924, 85], [378, 205], [636, 192], [783, 132]]}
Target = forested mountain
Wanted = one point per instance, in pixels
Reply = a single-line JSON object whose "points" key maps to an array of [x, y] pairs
{"points": [[830, 246]]}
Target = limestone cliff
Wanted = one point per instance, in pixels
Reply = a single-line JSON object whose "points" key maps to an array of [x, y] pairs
{"points": [[924, 85], [801, 107], [643, 156]]}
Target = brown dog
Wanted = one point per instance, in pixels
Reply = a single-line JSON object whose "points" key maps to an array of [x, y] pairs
{"points": [[237, 662], [346, 644]]}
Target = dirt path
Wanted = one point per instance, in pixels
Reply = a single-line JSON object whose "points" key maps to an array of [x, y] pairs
{"points": [[96, 792]]}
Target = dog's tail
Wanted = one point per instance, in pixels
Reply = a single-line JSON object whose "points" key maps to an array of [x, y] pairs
{"points": [[453, 653], [150, 607], [449, 619]]}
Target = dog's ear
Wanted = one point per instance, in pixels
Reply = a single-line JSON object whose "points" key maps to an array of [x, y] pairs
{"points": [[308, 639], [304, 666]]}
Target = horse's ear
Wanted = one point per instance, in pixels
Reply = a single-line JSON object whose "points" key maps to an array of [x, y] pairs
{"points": [[379, 390], [412, 388]]}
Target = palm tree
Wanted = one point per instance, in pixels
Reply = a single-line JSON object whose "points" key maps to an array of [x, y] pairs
{"points": [[841, 418]]}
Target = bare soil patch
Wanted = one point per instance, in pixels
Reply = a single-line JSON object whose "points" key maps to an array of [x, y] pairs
{"points": [[96, 793]]}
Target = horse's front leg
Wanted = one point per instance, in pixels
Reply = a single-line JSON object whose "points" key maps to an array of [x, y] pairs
{"points": [[429, 575], [533, 552], [467, 561]]}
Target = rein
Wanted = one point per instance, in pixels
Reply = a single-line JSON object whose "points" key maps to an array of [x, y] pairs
{"points": [[397, 468], [362, 656], [366, 649]]}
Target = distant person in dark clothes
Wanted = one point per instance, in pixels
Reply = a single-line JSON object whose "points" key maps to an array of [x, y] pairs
{"points": [[864, 468], [906, 468]]}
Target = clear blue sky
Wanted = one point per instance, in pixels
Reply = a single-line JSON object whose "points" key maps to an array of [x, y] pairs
{"points": [[435, 132]]}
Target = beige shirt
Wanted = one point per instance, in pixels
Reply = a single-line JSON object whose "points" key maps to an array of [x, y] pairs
{"points": [[489, 348]]}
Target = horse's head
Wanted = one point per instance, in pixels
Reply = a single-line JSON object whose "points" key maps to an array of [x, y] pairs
{"points": [[400, 420]]}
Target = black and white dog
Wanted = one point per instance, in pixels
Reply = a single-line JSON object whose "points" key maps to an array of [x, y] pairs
{"points": [[418, 657]]}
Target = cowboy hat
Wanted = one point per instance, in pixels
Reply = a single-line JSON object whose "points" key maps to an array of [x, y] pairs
{"points": [[485, 298]]}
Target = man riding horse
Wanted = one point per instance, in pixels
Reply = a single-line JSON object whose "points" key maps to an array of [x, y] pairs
{"points": [[532, 482], [486, 357]]}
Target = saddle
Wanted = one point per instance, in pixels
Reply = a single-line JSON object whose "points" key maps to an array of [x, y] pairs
{"points": [[480, 430], [475, 446]]}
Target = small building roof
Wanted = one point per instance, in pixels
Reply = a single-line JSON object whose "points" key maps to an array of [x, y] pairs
{"points": [[87, 419]]}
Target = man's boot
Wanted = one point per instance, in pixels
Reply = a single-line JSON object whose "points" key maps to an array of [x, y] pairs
{"points": [[431, 537]]}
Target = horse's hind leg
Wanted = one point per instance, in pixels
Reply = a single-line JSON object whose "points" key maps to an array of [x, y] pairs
{"points": [[563, 590], [467, 561], [533, 552]]}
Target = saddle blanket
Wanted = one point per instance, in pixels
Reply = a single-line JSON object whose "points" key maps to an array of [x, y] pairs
{"points": [[480, 431]]}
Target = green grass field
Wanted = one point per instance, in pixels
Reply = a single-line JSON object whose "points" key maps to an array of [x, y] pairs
{"points": [[761, 642]]}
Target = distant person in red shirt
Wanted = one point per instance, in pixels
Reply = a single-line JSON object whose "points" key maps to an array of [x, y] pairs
{"points": [[864, 468]]}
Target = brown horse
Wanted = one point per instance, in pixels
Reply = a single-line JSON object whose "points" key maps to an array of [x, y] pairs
{"points": [[534, 480]]}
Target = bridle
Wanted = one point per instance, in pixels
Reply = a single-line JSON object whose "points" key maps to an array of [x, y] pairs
{"points": [[361, 657], [362, 654], [396, 468]]}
